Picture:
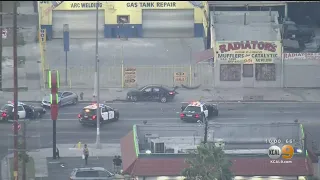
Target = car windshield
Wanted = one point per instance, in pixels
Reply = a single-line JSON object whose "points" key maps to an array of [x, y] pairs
{"points": [[193, 109], [142, 88], [20, 108], [87, 174], [6, 107]]}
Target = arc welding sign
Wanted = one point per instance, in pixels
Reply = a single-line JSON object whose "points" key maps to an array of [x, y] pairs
{"points": [[43, 37]]}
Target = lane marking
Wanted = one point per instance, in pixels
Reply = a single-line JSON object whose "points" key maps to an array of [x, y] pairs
{"points": [[129, 119]]}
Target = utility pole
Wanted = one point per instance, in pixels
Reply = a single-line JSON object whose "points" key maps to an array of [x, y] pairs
{"points": [[98, 145], [1, 46], [24, 165], [205, 138], [15, 91]]}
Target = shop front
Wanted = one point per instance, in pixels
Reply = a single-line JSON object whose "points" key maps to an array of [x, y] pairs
{"points": [[247, 64], [131, 19], [152, 19], [79, 15]]}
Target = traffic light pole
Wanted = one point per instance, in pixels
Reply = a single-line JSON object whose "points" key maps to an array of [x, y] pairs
{"points": [[205, 138], [1, 46], [15, 91]]}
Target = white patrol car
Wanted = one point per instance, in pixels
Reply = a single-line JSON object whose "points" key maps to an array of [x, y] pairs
{"points": [[195, 111], [24, 111], [7, 111], [88, 115]]}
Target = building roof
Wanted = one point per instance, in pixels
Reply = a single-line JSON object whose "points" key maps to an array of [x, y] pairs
{"points": [[162, 164], [242, 26], [128, 152], [247, 136], [244, 3], [248, 166]]}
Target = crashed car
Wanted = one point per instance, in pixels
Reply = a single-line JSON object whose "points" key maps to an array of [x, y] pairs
{"points": [[158, 93], [64, 98], [195, 111], [88, 115], [24, 111]]}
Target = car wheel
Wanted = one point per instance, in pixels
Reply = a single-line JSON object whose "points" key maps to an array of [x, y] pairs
{"points": [[75, 101], [36, 115], [116, 118], [134, 98], [163, 100]]}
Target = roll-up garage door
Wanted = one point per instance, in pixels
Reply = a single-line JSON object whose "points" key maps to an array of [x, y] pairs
{"points": [[177, 23], [82, 24]]}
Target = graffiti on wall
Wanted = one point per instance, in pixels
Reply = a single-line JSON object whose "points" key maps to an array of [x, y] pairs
{"points": [[248, 52]]}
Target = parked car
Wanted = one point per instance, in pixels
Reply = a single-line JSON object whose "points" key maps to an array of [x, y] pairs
{"points": [[92, 173], [64, 98], [152, 93]]}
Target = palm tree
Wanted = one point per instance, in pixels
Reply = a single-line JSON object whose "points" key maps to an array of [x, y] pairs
{"points": [[208, 163]]}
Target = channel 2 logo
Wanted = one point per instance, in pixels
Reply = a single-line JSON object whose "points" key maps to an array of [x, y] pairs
{"points": [[286, 152]]}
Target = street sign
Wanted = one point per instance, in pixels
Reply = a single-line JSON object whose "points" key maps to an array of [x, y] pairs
{"points": [[43, 37], [19, 127], [4, 33], [66, 37]]}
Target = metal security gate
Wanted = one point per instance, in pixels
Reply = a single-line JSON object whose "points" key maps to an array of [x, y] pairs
{"points": [[174, 23], [82, 24]]}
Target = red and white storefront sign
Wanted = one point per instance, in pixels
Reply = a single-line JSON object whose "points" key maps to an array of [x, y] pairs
{"points": [[301, 56]]}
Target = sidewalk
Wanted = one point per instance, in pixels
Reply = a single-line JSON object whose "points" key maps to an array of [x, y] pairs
{"points": [[66, 151], [215, 95]]}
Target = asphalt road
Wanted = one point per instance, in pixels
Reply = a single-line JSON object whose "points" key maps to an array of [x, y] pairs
{"points": [[69, 131]]}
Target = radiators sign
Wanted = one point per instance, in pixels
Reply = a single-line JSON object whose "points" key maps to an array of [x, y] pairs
{"points": [[247, 52]]}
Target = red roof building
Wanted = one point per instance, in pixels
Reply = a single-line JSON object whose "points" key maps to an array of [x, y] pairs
{"points": [[138, 164]]}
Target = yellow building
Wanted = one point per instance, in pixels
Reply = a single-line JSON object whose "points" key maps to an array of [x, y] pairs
{"points": [[132, 19]]}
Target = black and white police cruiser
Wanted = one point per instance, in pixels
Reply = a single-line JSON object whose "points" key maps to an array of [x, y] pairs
{"points": [[24, 111], [88, 115], [195, 111]]}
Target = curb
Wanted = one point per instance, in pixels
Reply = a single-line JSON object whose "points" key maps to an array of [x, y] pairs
{"points": [[81, 102], [210, 101], [252, 101]]}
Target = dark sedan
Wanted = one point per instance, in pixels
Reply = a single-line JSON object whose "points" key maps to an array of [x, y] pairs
{"points": [[152, 93]]}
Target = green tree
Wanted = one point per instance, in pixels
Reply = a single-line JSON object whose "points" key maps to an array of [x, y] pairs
{"points": [[208, 163]]}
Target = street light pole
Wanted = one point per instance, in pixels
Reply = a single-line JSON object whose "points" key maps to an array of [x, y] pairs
{"points": [[15, 91], [98, 145], [205, 138]]}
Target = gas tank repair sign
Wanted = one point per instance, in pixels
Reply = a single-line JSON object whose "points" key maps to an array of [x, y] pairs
{"points": [[157, 4]]}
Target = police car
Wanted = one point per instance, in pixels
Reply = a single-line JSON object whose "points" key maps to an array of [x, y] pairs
{"points": [[195, 111], [24, 111], [88, 115]]}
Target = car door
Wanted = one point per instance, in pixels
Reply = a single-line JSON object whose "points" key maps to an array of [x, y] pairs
{"points": [[110, 113], [21, 112], [29, 111], [156, 91], [104, 114], [147, 93], [205, 110], [67, 97]]}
